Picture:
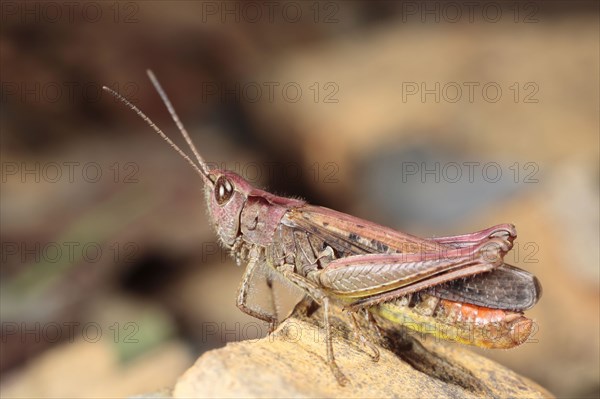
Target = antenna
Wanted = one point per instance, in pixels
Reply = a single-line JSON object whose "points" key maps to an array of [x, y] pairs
{"points": [[175, 118], [202, 170]]}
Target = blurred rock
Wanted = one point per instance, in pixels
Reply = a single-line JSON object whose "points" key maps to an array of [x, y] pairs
{"points": [[370, 107], [122, 347], [163, 393], [91, 370], [291, 363]]}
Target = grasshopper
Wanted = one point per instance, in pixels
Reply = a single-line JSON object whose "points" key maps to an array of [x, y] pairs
{"points": [[425, 284]]}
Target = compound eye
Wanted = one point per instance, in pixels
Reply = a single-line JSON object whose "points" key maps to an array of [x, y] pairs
{"points": [[223, 190]]}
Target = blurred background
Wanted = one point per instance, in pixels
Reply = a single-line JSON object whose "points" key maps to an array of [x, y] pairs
{"points": [[433, 118]]}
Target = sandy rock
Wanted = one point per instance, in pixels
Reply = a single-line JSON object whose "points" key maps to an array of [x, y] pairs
{"points": [[291, 363]]}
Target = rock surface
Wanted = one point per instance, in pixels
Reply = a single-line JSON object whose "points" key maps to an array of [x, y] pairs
{"points": [[292, 363]]}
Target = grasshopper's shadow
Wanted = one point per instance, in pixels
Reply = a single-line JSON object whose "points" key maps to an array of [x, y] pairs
{"points": [[406, 347], [411, 351]]}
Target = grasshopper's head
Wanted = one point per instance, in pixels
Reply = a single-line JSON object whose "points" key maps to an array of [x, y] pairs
{"points": [[226, 193]]}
